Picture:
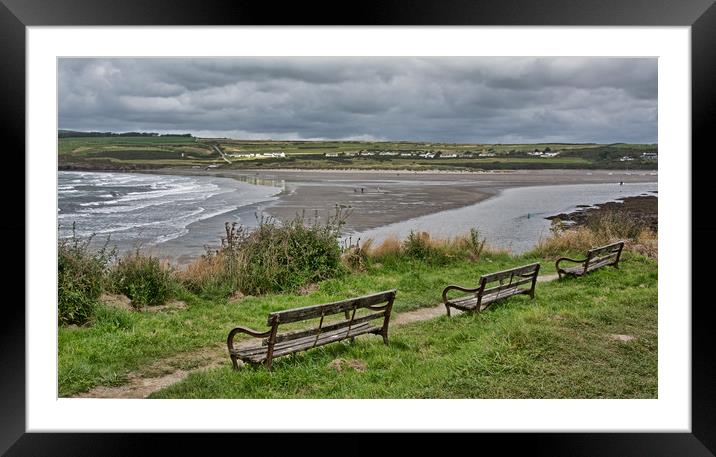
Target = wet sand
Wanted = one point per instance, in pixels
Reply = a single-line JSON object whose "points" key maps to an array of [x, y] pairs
{"points": [[390, 196]]}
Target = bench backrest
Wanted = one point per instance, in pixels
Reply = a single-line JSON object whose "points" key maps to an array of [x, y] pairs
{"points": [[609, 253], [316, 311], [381, 303], [514, 276]]}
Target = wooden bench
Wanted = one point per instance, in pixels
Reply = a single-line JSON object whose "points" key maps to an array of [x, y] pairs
{"points": [[510, 282], [596, 258], [275, 344]]}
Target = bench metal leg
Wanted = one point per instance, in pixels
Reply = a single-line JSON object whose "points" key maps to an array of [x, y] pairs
{"points": [[234, 362], [448, 310]]}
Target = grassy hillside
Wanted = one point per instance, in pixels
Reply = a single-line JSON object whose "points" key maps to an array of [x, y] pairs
{"points": [[126, 152]]}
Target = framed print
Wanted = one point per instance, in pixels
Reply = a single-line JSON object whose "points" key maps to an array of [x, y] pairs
{"points": [[379, 162]]}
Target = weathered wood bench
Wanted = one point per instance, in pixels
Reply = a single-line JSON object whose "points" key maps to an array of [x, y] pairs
{"points": [[274, 344], [515, 281], [596, 258]]}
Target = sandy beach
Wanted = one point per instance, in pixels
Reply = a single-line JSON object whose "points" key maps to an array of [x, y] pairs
{"points": [[381, 197]]}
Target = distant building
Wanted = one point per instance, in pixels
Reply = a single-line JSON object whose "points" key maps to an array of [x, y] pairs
{"points": [[487, 154], [332, 154], [649, 155], [448, 155], [274, 154], [626, 159]]}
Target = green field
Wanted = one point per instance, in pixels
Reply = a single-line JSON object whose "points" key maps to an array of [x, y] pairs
{"points": [[124, 152]]}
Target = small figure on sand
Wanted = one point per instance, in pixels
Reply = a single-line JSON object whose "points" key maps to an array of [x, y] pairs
{"points": [[361, 190], [621, 183]]}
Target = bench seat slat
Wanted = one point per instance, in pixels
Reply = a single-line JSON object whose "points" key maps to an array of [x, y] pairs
{"points": [[579, 269], [288, 336], [470, 303], [258, 354], [599, 264], [255, 349]]}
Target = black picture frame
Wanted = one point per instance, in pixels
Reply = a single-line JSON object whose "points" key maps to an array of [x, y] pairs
{"points": [[700, 15]]}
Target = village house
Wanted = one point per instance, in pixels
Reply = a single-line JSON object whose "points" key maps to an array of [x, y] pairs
{"points": [[649, 155]]}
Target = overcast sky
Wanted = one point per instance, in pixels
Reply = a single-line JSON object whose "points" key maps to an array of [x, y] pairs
{"points": [[445, 99]]}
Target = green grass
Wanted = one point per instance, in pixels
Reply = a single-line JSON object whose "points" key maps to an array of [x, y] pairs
{"points": [[120, 342], [556, 346]]}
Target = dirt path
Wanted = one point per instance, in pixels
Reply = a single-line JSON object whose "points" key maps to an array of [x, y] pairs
{"points": [[171, 370]]}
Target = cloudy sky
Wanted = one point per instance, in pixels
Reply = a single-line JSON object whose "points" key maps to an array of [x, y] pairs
{"points": [[446, 99]]}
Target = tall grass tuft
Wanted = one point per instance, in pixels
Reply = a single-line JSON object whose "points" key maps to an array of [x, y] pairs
{"points": [[143, 278], [474, 244], [80, 277], [423, 247]]}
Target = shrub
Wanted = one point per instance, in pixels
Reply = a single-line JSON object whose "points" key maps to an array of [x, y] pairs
{"points": [[144, 279], [275, 257], [417, 246], [80, 278]]}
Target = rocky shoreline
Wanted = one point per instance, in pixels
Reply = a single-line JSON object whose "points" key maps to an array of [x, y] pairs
{"points": [[643, 208]]}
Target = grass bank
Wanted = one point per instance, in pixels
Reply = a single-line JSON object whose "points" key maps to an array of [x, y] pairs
{"points": [[592, 337], [117, 341]]}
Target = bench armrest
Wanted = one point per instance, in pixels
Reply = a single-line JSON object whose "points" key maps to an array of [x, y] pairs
{"points": [[460, 288], [248, 331], [568, 259]]}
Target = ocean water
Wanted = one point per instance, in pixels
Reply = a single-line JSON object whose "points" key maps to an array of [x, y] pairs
{"points": [[515, 218], [180, 213], [178, 217]]}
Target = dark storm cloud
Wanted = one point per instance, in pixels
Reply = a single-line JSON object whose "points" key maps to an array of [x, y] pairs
{"points": [[456, 99]]}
